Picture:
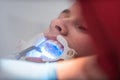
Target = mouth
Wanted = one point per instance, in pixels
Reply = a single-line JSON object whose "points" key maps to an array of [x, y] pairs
{"points": [[52, 49], [53, 39], [56, 43]]}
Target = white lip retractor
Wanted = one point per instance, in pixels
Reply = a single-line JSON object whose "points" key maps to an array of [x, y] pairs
{"points": [[43, 48]]}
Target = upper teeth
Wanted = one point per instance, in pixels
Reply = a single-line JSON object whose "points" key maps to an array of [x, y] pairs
{"points": [[58, 44]]}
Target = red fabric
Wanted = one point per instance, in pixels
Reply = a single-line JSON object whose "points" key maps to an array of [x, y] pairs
{"points": [[103, 21]]}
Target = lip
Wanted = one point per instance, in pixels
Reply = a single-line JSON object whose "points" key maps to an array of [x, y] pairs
{"points": [[51, 36]]}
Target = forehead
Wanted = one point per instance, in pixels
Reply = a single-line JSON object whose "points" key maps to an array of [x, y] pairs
{"points": [[71, 12], [65, 13], [75, 9]]}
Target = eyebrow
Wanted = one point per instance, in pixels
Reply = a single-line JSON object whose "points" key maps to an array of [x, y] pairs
{"points": [[65, 11]]}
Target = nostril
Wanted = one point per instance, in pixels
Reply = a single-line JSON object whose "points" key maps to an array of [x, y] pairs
{"points": [[58, 28]]}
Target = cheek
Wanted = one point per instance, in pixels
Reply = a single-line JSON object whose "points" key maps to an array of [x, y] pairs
{"points": [[83, 44]]}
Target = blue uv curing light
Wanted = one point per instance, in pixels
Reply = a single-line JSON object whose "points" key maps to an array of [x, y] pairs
{"points": [[46, 50]]}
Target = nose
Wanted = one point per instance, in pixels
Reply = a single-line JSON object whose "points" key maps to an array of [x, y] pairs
{"points": [[60, 26]]}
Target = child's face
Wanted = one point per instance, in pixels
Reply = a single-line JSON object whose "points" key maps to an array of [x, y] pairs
{"points": [[68, 25]]}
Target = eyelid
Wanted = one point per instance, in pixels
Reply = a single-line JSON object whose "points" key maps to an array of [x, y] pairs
{"points": [[80, 26]]}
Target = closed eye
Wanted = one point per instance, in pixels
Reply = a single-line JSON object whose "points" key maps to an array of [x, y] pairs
{"points": [[80, 27]]}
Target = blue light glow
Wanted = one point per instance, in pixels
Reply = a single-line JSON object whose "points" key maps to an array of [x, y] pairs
{"points": [[33, 53], [52, 48], [46, 49]]}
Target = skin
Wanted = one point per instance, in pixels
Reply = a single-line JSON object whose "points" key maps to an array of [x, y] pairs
{"points": [[81, 68], [78, 38], [71, 25], [67, 24], [84, 68]]}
